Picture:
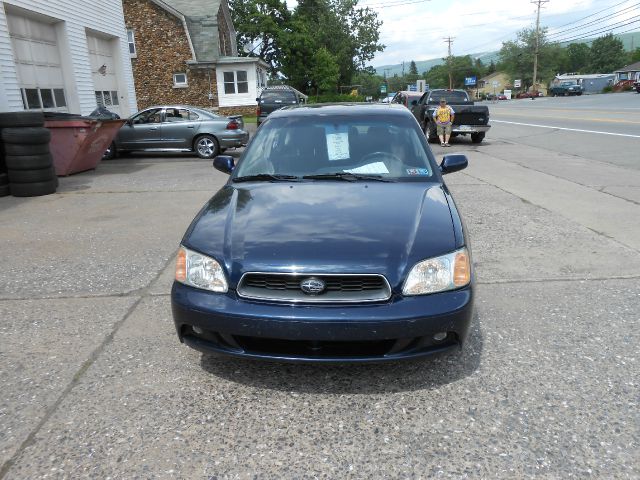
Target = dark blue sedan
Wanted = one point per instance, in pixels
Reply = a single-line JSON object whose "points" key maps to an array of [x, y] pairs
{"points": [[334, 240]]}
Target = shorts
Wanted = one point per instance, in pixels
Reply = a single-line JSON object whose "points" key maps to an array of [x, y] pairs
{"points": [[444, 129]]}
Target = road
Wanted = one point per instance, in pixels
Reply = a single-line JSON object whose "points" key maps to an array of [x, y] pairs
{"points": [[95, 385]]}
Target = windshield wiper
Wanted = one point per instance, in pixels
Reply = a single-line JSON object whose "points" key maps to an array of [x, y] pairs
{"points": [[270, 177], [350, 177]]}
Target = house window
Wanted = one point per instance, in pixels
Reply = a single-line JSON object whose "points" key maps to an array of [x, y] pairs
{"points": [[106, 98], [236, 82], [179, 80], [132, 43], [43, 98]]}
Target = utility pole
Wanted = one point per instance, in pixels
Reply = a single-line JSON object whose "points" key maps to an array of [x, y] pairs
{"points": [[535, 57], [449, 41]]}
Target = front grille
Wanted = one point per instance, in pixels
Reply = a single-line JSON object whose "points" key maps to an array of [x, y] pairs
{"points": [[338, 288]]}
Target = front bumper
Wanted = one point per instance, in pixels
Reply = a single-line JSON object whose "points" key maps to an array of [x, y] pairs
{"points": [[470, 128], [399, 329], [233, 138]]}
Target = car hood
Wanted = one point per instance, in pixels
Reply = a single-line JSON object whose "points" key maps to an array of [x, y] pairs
{"points": [[324, 227]]}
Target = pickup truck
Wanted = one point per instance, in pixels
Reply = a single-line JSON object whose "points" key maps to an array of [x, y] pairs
{"points": [[469, 119], [566, 88]]}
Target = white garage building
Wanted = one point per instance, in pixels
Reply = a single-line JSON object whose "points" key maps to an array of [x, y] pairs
{"points": [[65, 55]]}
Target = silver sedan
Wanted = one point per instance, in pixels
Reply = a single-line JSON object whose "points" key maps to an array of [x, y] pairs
{"points": [[179, 128]]}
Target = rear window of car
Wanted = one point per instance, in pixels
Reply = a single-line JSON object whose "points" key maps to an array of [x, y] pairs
{"points": [[450, 97], [276, 97], [387, 145]]}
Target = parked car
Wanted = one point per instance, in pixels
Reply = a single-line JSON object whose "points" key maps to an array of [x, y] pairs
{"points": [[274, 98], [179, 128], [636, 85], [469, 119], [407, 98], [532, 94], [502, 96], [566, 88], [334, 240]]}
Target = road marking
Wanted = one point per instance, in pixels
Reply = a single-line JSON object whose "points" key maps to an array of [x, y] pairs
{"points": [[567, 129], [603, 120]]}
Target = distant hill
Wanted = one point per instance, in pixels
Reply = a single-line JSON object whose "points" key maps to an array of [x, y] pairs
{"points": [[630, 40]]}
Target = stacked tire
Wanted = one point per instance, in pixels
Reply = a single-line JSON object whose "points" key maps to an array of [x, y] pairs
{"points": [[28, 159]]}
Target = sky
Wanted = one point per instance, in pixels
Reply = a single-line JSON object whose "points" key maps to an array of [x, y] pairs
{"points": [[415, 29]]}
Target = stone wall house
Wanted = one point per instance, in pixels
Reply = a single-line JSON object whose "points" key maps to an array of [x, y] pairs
{"points": [[184, 52]]}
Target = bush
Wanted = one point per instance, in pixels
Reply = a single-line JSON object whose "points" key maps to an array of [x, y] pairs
{"points": [[335, 98], [607, 89]]}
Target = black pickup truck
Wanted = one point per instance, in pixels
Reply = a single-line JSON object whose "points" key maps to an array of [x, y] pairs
{"points": [[469, 119]]}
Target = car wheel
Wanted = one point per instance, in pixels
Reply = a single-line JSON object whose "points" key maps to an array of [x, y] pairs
{"points": [[19, 150], [4, 179], [206, 146], [432, 135], [28, 162], [21, 119], [110, 153], [33, 189], [32, 176], [26, 135], [4, 190], [477, 137]]}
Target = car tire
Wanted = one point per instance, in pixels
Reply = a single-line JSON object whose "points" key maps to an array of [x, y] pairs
{"points": [[477, 137], [5, 190], [110, 153], [21, 119], [35, 189], [29, 162], [32, 176], [4, 179], [432, 135], [206, 146], [26, 135], [19, 150]]}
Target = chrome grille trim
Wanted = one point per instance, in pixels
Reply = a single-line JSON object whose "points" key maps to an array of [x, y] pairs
{"points": [[341, 287]]}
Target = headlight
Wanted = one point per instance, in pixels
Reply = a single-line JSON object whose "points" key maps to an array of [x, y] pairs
{"points": [[439, 274], [200, 271]]}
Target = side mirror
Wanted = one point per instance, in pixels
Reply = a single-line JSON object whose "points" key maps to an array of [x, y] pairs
{"points": [[453, 163], [258, 99], [414, 103], [224, 163]]}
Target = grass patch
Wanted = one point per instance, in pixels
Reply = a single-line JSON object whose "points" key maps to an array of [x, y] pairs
{"points": [[250, 118]]}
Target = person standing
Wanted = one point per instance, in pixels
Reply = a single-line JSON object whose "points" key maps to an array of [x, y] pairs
{"points": [[444, 115]]}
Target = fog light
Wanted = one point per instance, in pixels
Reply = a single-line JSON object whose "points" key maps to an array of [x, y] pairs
{"points": [[197, 330], [438, 337]]}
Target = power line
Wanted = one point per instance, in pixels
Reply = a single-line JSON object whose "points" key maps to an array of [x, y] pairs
{"points": [[593, 14], [581, 27], [598, 31]]}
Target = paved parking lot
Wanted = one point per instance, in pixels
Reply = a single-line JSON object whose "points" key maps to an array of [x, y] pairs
{"points": [[96, 385]]}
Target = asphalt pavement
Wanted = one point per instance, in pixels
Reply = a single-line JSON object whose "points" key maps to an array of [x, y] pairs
{"points": [[96, 385]]}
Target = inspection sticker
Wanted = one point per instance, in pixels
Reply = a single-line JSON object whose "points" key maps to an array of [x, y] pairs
{"points": [[417, 171], [337, 142]]}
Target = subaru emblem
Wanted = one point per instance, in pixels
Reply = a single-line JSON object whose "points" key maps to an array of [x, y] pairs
{"points": [[312, 286]]}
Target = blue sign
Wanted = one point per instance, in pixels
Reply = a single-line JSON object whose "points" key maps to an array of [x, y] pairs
{"points": [[469, 81], [413, 88]]}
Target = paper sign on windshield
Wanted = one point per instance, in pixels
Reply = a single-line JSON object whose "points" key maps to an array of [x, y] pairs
{"points": [[337, 142], [373, 168]]}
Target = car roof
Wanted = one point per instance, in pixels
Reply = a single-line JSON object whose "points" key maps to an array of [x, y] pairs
{"points": [[348, 109], [188, 107]]}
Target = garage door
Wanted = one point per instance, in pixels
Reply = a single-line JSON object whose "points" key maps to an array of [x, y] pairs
{"points": [[37, 59], [103, 66]]}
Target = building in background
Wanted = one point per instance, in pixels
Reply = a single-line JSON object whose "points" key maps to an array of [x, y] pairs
{"points": [[591, 83], [62, 55], [184, 52]]}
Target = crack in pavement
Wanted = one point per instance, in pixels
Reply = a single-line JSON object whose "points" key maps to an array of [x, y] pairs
{"points": [[51, 410]]}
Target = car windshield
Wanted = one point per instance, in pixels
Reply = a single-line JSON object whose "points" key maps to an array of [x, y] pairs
{"points": [[389, 147], [450, 97]]}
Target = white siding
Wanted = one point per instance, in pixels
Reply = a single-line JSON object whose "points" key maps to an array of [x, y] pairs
{"points": [[237, 99], [74, 18]]}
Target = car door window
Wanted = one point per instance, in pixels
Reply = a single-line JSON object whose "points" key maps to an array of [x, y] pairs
{"points": [[173, 115], [153, 115]]}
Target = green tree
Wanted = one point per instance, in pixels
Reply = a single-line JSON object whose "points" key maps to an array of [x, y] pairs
{"points": [[413, 69], [259, 25], [607, 54], [461, 67], [324, 71], [517, 57], [578, 57], [370, 83], [634, 56]]}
